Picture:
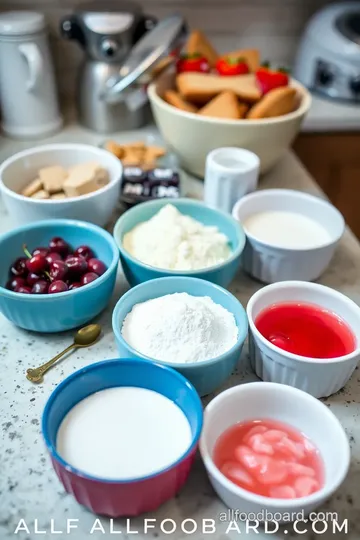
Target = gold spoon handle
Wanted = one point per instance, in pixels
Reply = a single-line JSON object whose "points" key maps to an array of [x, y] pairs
{"points": [[36, 374]]}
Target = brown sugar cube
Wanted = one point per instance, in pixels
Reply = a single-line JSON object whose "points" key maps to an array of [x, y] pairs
{"points": [[85, 178], [58, 196], [42, 194], [33, 187], [53, 178]]}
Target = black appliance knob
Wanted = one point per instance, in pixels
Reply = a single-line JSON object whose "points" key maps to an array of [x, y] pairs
{"points": [[109, 47], [325, 76], [70, 29], [354, 84]]}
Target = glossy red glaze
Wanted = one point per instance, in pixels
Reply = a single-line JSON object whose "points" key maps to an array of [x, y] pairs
{"points": [[126, 498]]}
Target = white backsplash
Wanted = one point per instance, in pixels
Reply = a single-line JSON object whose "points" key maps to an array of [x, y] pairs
{"points": [[273, 26]]}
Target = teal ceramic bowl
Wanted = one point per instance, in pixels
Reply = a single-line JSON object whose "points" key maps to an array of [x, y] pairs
{"points": [[67, 310], [206, 376], [222, 274]]}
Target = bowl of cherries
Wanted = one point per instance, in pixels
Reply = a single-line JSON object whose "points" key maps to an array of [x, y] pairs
{"points": [[56, 275]]}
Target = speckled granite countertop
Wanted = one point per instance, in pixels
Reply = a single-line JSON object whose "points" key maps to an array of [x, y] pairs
{"points": [[29, 488]]}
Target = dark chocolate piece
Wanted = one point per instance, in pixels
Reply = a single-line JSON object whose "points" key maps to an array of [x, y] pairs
{"points": [[163, 175]]}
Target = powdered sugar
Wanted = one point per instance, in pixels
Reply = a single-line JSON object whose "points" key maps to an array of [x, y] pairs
{"points": [[180, 328], [174, 241]]}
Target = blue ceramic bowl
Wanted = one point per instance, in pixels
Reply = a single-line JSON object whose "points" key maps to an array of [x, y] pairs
{"points": [[206, 376], [132, 496], [62, 311], [222, 274]]}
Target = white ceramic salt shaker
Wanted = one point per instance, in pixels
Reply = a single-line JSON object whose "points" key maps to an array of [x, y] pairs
{"points": [[230, 173]]}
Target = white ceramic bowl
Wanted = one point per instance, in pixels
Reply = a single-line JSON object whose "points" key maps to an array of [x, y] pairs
{"points": [[17, 171], [269, 263], [193, 136], [285, 404], [318, 377]]}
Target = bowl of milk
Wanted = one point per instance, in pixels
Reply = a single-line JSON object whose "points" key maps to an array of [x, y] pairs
{"points": [[122, 435], [290, 235]]}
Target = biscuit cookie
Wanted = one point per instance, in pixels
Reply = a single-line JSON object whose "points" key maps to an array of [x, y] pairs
{"points": [[277, 102], [251, 57], [198, 43], [175, 99], [200, 88], [225, 105]]}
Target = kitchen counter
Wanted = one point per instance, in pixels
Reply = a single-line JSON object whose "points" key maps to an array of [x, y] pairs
{"points": [[331, 116], [29, 488]]}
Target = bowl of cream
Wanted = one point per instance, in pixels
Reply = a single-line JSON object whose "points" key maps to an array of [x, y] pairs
{"points": [[122, 435], [290, 235], [189, 324], [180, 237]]}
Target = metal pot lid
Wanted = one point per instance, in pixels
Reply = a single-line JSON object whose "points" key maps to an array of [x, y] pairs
{"points": [[159, 42]]}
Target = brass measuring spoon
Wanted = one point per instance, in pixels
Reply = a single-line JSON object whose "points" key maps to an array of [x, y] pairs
{"points": [[83, 338]]}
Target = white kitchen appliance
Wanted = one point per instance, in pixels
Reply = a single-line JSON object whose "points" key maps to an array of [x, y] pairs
{"points": [[328, 58], [28, 96]]}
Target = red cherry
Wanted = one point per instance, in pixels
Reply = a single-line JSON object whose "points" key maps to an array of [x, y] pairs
{"points": [[19, 267], [43, 251], [88, 278], [57, 287], [53, 256], [75, 285], [40, 287], [36, 264], [77, 265], [97, 266], [58, 270], [15, 282], [23, 289], [84, 251], [32, 278], [59, 245]]}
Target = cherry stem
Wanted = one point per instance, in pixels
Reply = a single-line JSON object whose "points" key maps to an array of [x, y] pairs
{"points": [[29, 256], [26, 251]]}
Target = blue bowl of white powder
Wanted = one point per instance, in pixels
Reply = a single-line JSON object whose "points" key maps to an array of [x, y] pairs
{"points": [[187, 238], [185, 323]]}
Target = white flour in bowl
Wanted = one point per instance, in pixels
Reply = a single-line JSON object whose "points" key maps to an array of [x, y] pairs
{"points": [[180, 328]]}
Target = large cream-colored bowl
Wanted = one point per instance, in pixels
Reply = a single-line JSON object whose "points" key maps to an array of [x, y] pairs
{"points": [[192, 136]]}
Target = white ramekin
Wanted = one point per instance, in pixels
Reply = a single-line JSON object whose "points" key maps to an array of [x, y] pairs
{"points": [[18, 170], [260, 400], [320, 378], [269, 263]]}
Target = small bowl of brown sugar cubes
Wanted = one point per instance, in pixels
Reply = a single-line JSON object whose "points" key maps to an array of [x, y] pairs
{"points": [[73, 181]]}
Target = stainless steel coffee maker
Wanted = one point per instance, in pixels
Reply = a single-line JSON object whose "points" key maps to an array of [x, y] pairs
{"points": [[107, 31]]}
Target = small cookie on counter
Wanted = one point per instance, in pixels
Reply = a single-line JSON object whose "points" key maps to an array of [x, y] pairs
{"points": [[176, 100], [225, 105], [32, 188], [136, 154], [115, 149], [53, 178], [277, 102]]}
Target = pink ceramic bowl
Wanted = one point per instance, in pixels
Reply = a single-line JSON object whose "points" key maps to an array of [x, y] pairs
{"points": [[117, 497]]}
